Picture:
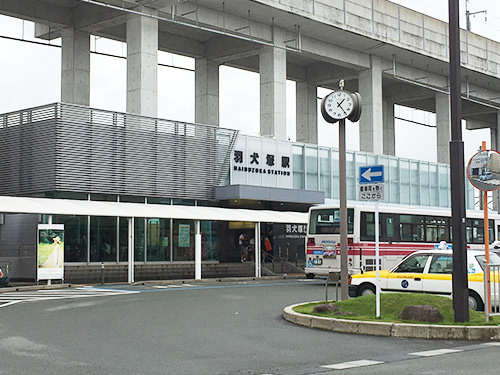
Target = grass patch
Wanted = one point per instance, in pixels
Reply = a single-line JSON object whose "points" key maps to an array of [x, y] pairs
{"points": [[391, 304]]}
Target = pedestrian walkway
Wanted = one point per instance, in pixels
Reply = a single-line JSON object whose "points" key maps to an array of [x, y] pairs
{"points": [[11, 298]]}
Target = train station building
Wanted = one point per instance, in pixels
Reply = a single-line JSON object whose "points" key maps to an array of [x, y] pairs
{"points": [[144, 197]]}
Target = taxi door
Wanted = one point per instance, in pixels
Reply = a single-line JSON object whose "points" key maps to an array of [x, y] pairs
{"points": [[407, 276], [438, 278]]}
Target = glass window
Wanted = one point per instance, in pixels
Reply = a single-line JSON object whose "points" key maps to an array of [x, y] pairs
{"points": [[209, 238], [75, 237], [414, 263], [123, 239], [388, 225], [103, 239], [411, 228], [441, 264], [139, 239], [327, 221], [183, 241], [494, 259], [158, 241], [437, 229], [367, 230]]}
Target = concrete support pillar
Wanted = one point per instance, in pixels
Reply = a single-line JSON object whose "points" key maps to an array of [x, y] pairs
{"points": [[443, 127], [370, 123], [75, 67], [206, 92], [388, 128], [306, 112], [142, 65], [272, 67]]}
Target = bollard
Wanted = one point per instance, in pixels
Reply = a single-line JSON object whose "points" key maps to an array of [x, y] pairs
{"points": [[102, 273]]}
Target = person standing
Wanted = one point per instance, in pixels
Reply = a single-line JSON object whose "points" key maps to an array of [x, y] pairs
{"points": [[242, 244], [4, 281]]}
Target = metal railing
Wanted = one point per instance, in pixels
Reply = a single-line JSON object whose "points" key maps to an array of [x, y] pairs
{"points": [[491, 285]]}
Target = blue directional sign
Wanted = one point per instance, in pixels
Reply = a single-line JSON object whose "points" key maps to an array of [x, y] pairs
{"points": [[371, 175]]}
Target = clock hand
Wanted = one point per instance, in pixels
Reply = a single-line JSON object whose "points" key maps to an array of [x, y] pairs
{"points": [[338, 104]]}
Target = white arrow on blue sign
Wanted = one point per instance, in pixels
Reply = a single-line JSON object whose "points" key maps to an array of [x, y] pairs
{"points": [[372, 174]]}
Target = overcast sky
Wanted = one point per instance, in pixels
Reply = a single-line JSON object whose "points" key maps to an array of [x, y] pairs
{"points": [[30, 76]]}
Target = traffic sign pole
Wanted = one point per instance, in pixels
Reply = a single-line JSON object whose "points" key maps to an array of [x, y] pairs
{"points": [[377, 261]]}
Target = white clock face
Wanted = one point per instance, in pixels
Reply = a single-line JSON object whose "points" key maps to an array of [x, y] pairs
{"points": [[339, 105]]}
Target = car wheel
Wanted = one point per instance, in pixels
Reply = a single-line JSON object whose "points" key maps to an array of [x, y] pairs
{"points": [[366, 289], [475, 301], [310, 275]]}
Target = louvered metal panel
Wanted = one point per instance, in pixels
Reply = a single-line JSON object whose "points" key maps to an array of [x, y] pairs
{"points": [[63, 147]]}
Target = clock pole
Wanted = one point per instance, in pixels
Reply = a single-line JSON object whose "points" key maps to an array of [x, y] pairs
{"points": [[344, 291], [337, 106]]}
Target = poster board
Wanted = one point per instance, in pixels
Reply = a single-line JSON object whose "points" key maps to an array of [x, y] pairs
{"points": [[50, 252]]}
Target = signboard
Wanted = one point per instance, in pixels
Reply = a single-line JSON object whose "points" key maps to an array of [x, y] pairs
{"points": [[261, 162], [483, 170], [371, 192], [371, 183], [372, 174], [50, 252], [184, 233]]}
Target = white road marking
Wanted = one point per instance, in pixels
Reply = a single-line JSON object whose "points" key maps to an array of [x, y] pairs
{"points": [[8, 298], [430, 353], [352, 364]]}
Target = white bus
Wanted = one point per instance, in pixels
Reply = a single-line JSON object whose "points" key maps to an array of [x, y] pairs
{"points": [[402, 230]]}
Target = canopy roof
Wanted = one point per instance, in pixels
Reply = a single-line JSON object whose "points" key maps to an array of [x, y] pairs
{"points": [[50, 206]]}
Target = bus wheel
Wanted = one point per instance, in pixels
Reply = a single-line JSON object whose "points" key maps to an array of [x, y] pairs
{"points": [[310, 275], [366, 289], [475, 301]]}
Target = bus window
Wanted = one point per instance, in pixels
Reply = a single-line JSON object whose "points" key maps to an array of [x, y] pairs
{"points": [[411, 228], [437, 229], [327, 221], [367, 230], [474, 231], [388, 225]]}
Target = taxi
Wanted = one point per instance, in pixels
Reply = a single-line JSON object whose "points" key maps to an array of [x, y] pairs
{"points": [[426, 271]]}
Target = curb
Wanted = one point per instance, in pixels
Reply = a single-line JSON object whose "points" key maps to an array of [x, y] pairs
{"points": [[422, 331], [33, 287]]}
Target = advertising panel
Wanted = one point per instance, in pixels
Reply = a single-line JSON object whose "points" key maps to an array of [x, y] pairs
{"points": [[50, 252]]}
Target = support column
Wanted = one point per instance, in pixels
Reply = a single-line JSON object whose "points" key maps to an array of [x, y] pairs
{"points": [[443, 127], [495, 145], [389, 138], [197, 251], [306, 112], [272, 67], [142, 65], [131, 251], [370, 124], [75, 67], [206, 92]]}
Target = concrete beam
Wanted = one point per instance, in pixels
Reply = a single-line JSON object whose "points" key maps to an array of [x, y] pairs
{"points": [[42, 11]]}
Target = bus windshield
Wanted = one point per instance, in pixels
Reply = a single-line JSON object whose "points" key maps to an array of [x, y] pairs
{"points": [[327, 221]]}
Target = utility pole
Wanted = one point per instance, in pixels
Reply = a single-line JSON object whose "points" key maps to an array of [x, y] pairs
{"points": [[457, 172], [468, 14]]}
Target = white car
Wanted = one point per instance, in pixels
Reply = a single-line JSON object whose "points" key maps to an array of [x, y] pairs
{"points": [[486, 176], [427, 271]]}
